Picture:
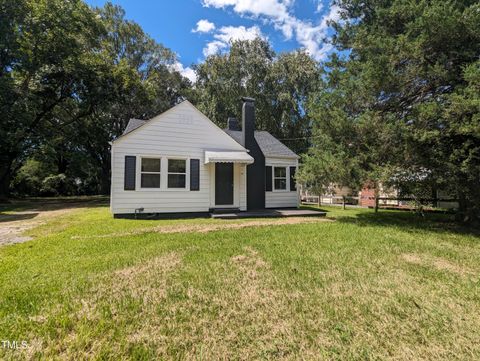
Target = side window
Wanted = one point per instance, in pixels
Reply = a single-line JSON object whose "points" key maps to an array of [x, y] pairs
{"points": [[150, 173], [177, 173], [280, 178]]}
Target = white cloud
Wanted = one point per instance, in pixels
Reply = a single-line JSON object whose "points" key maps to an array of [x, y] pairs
{"points": [[204, 26], [186, 72], [230, 33], [310, 36], [226, 34], [270, 8], [333, 15], [213, 47]]}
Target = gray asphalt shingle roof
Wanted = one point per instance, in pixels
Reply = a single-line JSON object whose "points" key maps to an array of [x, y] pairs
{"points": [[133, 124], [269, 145]]}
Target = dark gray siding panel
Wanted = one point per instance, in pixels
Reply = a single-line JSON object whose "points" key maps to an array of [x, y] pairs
{"points": [[268, 178], [194, 174], [293, 185], [130, 169], [256, 170]]}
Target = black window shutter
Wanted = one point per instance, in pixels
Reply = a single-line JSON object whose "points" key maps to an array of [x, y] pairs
{"points": [[194, 174], [268, 178], [293, 185], [130, 169]]}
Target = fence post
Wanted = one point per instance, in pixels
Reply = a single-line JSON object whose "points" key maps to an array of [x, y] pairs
{"points": [[319, 201], [343, 199], [376, 204]]}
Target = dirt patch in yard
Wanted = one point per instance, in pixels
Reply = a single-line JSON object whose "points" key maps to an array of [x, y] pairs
{"points": [[212, 323], [438, 263], [14, 225], [145, 282], [205, 228], [19, 216]]}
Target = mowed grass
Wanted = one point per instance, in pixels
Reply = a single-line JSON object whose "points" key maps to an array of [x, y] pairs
{"points": [[392, 285]]}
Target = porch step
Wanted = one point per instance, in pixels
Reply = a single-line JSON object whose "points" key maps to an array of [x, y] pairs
{"points": [[270, 213], [224, 210]]}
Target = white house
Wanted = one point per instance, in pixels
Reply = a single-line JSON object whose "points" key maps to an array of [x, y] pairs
{"points": [[180, 161]]}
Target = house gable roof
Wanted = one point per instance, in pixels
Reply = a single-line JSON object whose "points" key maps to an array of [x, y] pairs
{"points": [[133, 124], [214, 129], [269, 145]]}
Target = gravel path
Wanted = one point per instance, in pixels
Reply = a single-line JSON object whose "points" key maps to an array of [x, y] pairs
{"points": [[13, 225]]}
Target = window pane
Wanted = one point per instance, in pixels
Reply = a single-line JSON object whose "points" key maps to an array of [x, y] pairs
{"points": [[280, 184], [150, 181], [177, 166], [176, 181], [280, 172], [150, 165]]}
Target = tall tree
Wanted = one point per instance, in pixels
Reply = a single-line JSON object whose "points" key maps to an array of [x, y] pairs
{"points": [[50, 64], [405, 96], [145, 84], [280, 85], [70, 78]]}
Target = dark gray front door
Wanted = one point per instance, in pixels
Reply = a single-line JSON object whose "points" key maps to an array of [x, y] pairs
{"points": [[223, 184]]}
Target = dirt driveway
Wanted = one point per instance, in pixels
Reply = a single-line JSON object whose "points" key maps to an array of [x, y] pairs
{"points": [[27, 214]]}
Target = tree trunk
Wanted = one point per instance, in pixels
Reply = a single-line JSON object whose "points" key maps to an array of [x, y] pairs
{"points": [[105, 178], [462, 214], [5, 177]]}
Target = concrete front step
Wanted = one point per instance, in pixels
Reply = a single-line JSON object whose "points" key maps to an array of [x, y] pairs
{"points": [[269, 213]]}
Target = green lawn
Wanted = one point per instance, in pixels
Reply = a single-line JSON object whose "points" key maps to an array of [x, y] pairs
{"points": [[391, 285]]}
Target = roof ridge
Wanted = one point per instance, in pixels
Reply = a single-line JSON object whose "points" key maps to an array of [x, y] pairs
{"points": [[268, 143]]}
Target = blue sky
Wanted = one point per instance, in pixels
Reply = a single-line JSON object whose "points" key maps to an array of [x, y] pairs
{"points": [[196, 28]]}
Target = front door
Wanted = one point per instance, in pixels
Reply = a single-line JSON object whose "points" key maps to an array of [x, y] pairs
{"points": [[224, 184]]}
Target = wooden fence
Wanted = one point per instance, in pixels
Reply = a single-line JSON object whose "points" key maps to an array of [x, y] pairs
{"points": [[417, 201], [331, 200], [347, 200]]}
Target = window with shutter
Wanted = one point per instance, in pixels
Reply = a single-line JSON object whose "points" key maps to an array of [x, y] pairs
{"points": [[177, 173], [150, 173], [280, 178]]}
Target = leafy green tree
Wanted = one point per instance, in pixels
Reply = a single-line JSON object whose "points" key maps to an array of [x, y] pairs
{"points": [[280, 85], [51, 65], [145, 85], [405, 97], [70, 79]]}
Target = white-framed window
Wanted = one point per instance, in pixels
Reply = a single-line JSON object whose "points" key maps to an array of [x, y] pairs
{"points": [[177, 173], [150, 173], [280, 178]]}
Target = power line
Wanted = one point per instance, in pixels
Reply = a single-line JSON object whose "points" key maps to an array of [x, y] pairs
{"points": [[301, 138]]}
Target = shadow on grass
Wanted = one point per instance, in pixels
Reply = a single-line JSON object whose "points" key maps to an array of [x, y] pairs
{"points": [[435, 222], [17, 216], [52, 203], [313, 208]]}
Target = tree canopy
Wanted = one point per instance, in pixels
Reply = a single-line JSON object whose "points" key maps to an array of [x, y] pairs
{"points": [[70, 78], [280, 84], [402, 98]]}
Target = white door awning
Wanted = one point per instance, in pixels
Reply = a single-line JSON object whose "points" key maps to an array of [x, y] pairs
{"points": [[227, 157]]}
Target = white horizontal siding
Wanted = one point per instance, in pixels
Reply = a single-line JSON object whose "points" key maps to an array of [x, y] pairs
{"points": [[282, 199], [181, 132], [243, 187]]}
